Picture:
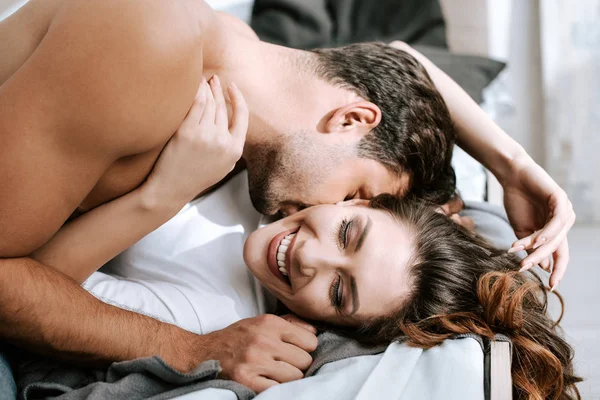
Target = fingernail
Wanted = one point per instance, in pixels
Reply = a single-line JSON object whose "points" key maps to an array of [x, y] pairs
{"points": [[216, 79], [539, 242], [516, 249], [553, 287], [203, 81], [526, 267]]}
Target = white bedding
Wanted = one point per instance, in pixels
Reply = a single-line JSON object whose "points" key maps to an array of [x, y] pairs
{"points": [[452, 371], [190, 272]]}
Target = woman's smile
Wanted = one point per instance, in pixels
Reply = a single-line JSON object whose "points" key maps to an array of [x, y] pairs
{"points": [[279, 254]]}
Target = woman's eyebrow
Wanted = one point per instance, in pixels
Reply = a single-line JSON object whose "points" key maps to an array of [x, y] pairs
{"points": [[364, 234]]}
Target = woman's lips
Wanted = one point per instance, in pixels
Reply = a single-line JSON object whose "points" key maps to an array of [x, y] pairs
{"points": [[272, 254]]}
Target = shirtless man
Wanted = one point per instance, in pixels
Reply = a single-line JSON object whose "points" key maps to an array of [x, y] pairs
{"points": [[92, 91]]}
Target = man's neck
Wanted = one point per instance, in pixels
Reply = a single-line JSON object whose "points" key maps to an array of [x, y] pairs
{"points": [[281, 88]]}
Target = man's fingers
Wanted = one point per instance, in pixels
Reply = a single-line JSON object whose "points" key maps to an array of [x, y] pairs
{"points": [[561, 260], [300, 337], [260, 384], [294, 319], [283, 372], [220, 107], [293, 355], [240, 115]]}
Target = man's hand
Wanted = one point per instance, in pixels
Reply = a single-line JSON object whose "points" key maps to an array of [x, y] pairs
{"points": [[263, 351], [541, 215]]}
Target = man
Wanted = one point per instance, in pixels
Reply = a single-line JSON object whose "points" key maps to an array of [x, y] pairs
{"points": [[91, 93]]}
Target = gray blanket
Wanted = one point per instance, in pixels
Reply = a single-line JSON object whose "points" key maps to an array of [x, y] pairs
{"points": [[151, 378]]}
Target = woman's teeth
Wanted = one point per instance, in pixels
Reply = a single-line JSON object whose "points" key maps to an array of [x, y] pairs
{"points": [[281, 250]]}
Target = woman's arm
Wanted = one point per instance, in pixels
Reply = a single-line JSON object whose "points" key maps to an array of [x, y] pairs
{"points": [[198, 155], [82, 246], [538, 209]]}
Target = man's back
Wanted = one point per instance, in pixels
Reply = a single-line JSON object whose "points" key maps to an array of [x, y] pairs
{"points": [[90, 95]]}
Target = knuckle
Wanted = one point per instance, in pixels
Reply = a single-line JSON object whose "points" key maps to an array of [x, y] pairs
{"points": [[240, 374], [267, 319], [258, 341]]}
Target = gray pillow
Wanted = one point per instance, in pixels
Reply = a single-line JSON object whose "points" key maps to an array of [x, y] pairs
{"points": [[472, 73]]}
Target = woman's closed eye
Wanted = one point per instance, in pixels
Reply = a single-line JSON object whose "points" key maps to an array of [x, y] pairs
{"points": [[343, 230], [336, 293]]}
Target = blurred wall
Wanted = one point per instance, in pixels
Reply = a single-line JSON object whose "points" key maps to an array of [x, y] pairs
{"points": [[552, 106], [571, 64]]}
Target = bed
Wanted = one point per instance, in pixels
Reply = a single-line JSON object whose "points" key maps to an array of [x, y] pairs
{"points": [[464, 368]]}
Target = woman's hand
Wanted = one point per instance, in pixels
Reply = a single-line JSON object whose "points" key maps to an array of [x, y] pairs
{"points": [[541, 215], [204, 149]]}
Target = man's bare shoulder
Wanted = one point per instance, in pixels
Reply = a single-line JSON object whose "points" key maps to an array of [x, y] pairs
{"points": [[133, 66], [110, 78]]}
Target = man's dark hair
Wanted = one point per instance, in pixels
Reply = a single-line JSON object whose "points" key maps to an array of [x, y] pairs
{"points": [[416, 133]]}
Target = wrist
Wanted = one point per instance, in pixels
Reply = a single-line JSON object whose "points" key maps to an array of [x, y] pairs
{"points": [[153, 200], [507, 161], [184, 350]]}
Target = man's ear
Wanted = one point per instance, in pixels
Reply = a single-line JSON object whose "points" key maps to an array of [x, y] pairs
{"points": [[360, 117]]}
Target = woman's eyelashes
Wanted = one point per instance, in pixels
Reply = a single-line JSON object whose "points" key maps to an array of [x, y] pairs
{"points": [[343, 233], [336, 294]]}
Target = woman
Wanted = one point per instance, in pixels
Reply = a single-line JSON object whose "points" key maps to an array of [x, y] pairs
{"points": [[394, 269]]}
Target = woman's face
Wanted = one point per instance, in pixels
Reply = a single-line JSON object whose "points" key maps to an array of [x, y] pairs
{"points": [[341, 264]]}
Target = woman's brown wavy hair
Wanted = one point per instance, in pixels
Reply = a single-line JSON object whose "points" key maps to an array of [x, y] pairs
{"points": [[461, 284]]}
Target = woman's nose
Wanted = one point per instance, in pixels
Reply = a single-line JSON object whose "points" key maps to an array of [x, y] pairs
{"points": [[312, 258], [307, 262]]}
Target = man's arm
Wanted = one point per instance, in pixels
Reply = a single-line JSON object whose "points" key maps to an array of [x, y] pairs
{"points": [[476, 132], [45, 311], [539, 210]]}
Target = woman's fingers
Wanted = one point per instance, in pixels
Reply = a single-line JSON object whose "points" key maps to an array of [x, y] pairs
{"points": [[544, 249], [210, 107], [220, 107], [192, 119], [561, 260], [562, 219], [525, 243], [546, 264], [240, 115]]}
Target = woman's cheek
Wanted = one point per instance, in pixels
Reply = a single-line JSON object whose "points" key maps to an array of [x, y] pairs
{"points": [[305, 308]]}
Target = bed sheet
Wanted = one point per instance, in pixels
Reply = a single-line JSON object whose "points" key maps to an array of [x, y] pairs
{"points": [[451, 371]]}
